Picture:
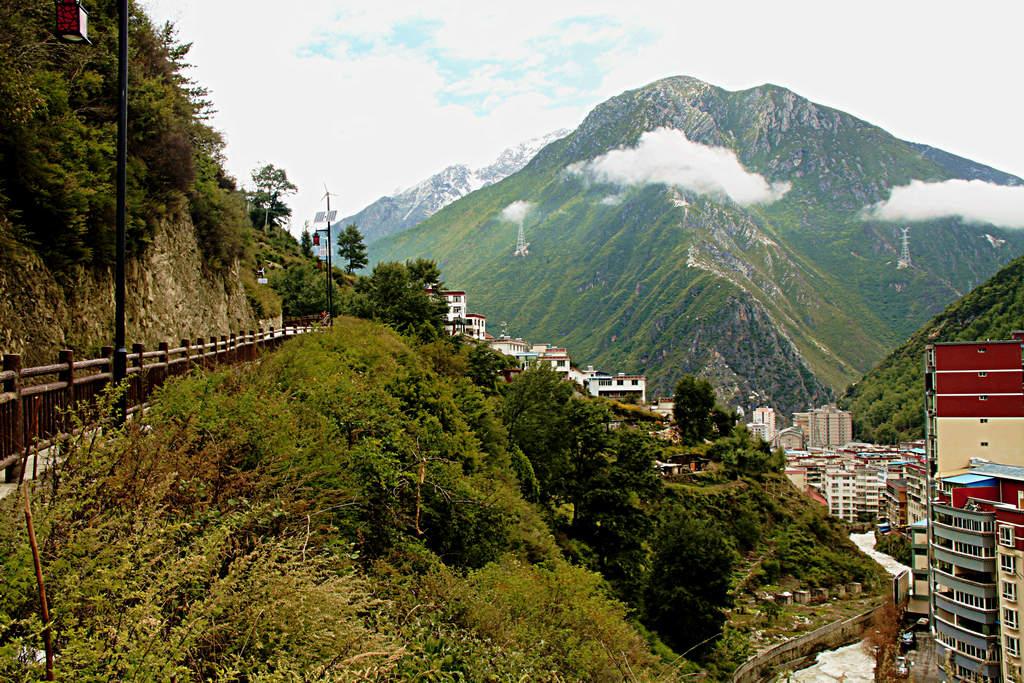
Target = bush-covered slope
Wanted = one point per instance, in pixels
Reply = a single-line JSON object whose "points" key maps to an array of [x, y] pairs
{"points": [[791, 299], [888, 403], [355, 506]]}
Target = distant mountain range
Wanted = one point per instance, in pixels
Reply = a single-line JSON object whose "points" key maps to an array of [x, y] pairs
{"points": [[402, 211], [683, 228]]}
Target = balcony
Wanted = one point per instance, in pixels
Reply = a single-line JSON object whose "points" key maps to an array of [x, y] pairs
{"points": [[984, 565], [948, 604], [950, 532], [985, 643], [981, 589]]}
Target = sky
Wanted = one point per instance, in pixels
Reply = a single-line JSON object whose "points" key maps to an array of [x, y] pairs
{"points": [[367, 98]]}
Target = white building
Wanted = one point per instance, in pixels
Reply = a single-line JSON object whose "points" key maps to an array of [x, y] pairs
{"points": [[851, 491], [765, 416], [508, 346], [476, 326], [618, 386]]}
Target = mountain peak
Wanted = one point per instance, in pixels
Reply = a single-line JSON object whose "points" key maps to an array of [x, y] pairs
{"points": [[408, 207]]}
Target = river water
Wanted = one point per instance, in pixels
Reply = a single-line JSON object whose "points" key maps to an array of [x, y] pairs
{"points": [[853, 663]]}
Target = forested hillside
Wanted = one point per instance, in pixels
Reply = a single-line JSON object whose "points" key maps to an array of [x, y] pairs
{"points": [[888, 403], [640, 261], [363, 504]]}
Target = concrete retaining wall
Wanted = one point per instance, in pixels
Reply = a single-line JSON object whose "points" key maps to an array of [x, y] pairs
{"points": [[828, 637]]}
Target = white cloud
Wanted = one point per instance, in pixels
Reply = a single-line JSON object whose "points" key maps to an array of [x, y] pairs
{"points": [[516, 211], [973, 200], [665, 156], [326, 91]]}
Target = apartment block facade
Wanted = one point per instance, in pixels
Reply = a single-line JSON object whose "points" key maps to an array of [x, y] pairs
{"points": [[974, 440]]}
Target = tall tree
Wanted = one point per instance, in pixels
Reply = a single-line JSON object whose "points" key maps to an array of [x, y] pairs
{"points": [[694, 401], [306, 244], [688, 585], [396, 294], [352, 249], [270, 187]]}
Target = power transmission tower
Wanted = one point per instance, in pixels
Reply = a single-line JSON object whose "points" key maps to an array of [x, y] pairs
{"points": [[904, 259], [522, 246]]}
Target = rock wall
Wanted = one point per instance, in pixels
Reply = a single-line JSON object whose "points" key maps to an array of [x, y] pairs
{"points": [[170, 295]]}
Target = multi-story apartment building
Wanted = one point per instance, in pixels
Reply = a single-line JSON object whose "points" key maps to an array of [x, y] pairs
{"points": [[838, 488], [974, 403], [764, 416], [896, 502], [828, 426], [974, 441], [919, 567]]}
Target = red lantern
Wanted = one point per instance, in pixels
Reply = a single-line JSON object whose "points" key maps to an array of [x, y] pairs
{"points": [[316, 239], [72, 22]]}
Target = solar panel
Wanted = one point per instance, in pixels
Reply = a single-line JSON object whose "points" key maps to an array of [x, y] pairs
{"points": [[331, 216], [319, 217]]}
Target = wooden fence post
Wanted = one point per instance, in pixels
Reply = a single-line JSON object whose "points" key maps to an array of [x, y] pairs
{"points": [[107, 352], [186, 344], [226, 348], [140, 384], [12, 362], [252, 345], [200, 342], [67, 357], [165, 358]]}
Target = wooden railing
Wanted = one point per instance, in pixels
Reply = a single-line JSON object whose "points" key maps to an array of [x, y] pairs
{"points": [[37, 404]]}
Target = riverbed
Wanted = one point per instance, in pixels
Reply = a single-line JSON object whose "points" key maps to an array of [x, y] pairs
{"points": [[853, 663]]}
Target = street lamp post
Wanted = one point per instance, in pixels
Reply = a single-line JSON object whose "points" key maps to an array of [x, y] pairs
{"points": [[120, 352]]}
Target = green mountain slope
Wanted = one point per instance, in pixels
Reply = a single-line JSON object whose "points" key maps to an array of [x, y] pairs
{"points": [[792, 300], [889, 402]]}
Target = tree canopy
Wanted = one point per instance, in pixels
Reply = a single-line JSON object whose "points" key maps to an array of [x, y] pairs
{"points": [[352, 249], [270, 186], [694, 403]]}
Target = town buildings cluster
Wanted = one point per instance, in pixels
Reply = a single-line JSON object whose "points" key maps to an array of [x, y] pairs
{"points": [[619, 386]]}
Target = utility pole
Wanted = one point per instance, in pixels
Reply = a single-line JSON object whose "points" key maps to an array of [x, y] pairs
{"points": [[328, 217]]}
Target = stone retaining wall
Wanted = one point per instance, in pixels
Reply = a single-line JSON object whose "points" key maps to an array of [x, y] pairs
{"points": [[828, 637]]}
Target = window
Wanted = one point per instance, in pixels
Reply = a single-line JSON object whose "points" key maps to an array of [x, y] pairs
{"points": [[1009, 591], [1007, 563], [983, 397], [982, 374], [982, 349], [984, 444], [1009, 617], [618, 382], [1006, 535], [1012, 646], [984, 420]]}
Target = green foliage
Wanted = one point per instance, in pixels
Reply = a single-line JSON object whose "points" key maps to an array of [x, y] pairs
{"points": [[688, 586], [694, 403], [888, 403], [742, 456], [57, 140], [896, 546], [336, 511], [266, 200], [352, 249], [403, 296], [303, 289]]}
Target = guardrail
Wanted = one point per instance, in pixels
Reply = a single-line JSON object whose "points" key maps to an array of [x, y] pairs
{"points": [[37, 403]]}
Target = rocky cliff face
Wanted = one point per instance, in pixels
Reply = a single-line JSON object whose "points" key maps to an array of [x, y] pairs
{"points": [[170, 296], [406, 209]]}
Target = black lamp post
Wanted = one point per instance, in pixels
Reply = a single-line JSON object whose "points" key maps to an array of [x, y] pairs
{"points": [[72, 27], [120, 352]]}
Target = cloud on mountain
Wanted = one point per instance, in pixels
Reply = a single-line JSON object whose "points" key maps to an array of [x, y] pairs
{"points": [[516, 211], [975, 201], [667, 157]]}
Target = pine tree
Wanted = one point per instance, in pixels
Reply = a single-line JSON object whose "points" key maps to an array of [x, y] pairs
{"points": [[352, 249]]}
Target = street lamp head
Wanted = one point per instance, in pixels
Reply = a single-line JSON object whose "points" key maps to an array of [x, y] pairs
{"points": [[72, 22]]}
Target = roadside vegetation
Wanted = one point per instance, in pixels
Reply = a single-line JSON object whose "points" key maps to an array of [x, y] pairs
{"points": [[364, 503]]}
